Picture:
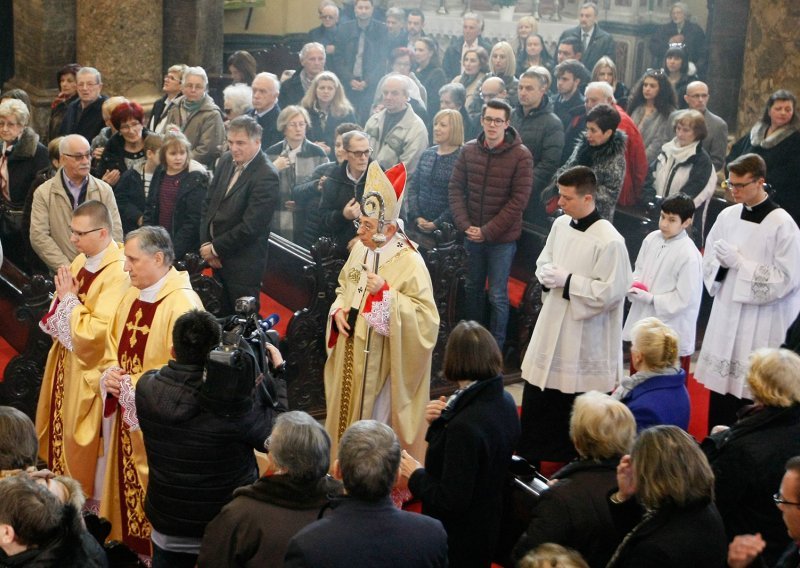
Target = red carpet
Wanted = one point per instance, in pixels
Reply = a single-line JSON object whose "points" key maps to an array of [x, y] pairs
{"points": [[698, 419], [6, 354], [269, 307]]}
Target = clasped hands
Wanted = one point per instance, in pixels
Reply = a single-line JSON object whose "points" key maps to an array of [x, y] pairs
{"points": [[727, 254], [65, 283], [553, 276], [207, 254]]}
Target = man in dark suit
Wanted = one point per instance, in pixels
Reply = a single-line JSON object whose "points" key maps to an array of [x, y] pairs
{"points": [[266, 89], [365, 528], [361, 56], [85, 116], [472, 26], [596, 42], [237, 212]]}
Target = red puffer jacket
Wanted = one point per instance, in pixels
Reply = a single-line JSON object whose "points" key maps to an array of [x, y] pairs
{"points": [[490, 188]]}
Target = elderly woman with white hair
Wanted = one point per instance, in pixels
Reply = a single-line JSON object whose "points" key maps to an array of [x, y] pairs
{"points": [[255, 528], [748, 458], [573, 511], [172, 91], [295, 158], [238, 99], [198, 117], [680, 30], [22, 157]]}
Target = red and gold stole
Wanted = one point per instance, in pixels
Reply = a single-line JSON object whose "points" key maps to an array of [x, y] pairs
{"points": [[132, 344]]}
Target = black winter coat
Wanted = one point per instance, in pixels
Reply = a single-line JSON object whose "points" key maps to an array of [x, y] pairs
{"points": [[574, 512], [308, 196], [337, 191], [185, 230], [469, 451], [88, 123], [687, 537], [543, 134], [28, 157], [783, 165], [748, 462], [131, 201], [113, 157], [196, 458]]}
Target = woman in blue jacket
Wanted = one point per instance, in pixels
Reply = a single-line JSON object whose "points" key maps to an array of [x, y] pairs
{"points": [[656, 393]]}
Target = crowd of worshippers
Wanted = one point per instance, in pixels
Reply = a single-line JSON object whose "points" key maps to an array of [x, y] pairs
{"points": [[490, 136], [380, 75]]}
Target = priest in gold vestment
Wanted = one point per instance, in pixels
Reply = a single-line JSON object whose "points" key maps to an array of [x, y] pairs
{"points": [[139, 339], [386, 281], [87, 295]]}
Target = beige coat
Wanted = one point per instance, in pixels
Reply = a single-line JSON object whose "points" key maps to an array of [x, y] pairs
{"points": [[51, 214]]}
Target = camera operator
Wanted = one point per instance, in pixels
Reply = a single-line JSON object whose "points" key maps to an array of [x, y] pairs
{"points": [[202, 416]]}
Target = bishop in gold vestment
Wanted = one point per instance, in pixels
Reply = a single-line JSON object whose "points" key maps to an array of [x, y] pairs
{"points": [[397, 308]]}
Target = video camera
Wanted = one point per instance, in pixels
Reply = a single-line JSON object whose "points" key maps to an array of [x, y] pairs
{"points": [[241, 363]]}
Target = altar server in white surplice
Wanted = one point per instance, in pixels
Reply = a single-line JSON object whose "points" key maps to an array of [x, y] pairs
{"points": [[752, 268], [576, 346], [668, 277]]}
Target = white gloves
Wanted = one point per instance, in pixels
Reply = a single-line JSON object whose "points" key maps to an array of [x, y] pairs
{"points": [[639, 295], [727, 254], [553, 276]]}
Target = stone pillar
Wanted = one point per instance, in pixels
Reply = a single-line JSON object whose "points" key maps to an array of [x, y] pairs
{"points": [[772, 57], [193, 34], [726, 34], [122, 40], [44, 41]]}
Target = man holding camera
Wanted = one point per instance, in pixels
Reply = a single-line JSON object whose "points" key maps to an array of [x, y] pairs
{"points": [[139, 338], [383, 324], [200, 424]]}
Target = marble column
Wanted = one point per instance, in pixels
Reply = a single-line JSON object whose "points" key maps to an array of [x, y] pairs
{"points": [[44, 41], [123, 41], [193, 34], [772, 58]]}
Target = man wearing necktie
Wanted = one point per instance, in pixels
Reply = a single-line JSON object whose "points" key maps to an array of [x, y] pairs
{"points": [[237, 212], [596, 42]]}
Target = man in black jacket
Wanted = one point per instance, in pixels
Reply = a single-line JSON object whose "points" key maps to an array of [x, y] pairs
{"points": [[199, 446], [237, 213], [596, 42], [361, 56], [343, 190], [541, 132], [84, 116], [472, 26]]}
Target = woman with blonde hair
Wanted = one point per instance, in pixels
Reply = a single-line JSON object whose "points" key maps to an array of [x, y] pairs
{"points": [[656, 393], [428, 201], [328, 107], [295, 158], [663, 508], [476, 65], [748, 458], [503, 64], [573, 511], [606, 70], [526, 27]]}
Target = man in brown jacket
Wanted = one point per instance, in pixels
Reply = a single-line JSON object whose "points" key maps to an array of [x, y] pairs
{"points": [[489, 189]]}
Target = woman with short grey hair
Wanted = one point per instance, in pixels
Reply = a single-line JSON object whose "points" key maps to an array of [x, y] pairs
{"points": [[255, 528]]}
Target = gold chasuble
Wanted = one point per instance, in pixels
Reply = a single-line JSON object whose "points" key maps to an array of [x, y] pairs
{"points": [[405, 325], [69, 414], [140, 339]]}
